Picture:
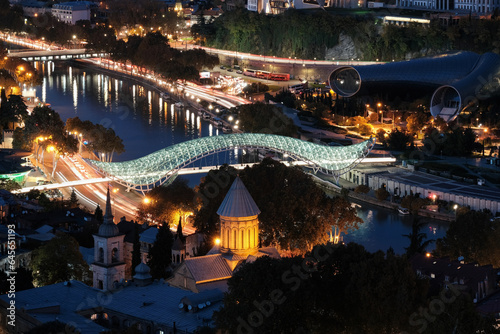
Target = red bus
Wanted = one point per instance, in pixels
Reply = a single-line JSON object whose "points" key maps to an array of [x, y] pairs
{"points": [[263, 74], [267, 75], [279, 76]]}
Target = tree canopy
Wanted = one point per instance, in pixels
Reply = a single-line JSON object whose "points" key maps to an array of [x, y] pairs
{"points": [[59, 260], [103, 141], [168, 203], [265, 118], [160, 255], [334, 289], [474, 236]]}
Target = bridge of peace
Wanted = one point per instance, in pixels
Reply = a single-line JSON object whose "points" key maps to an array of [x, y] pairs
{"points": [[152, 170], [157, 168]]}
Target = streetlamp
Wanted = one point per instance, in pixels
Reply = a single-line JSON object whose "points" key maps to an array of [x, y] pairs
{"points": [[379, 105], [80, 142]]}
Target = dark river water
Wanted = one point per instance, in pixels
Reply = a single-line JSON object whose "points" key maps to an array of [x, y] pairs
{"points": [[147, 123]]}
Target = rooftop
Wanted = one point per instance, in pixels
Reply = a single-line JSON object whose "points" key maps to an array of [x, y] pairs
{"points": [[238, 202], [157, 302], [208, 268]]}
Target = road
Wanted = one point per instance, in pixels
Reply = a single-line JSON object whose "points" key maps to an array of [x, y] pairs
{"points": [[71, 168]]}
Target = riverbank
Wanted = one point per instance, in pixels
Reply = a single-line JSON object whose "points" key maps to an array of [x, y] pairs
{"points": [[333, 189], [167, 91]]}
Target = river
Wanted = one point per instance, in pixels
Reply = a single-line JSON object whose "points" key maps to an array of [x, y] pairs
{"points": [[146, 124]]}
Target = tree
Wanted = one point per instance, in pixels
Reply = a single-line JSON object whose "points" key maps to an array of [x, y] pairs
{"points": [[334, 289], [398, 140], [344, 218], [381, 137], [59, 260], [259, 283], [413, 202], [13, 110], [98, 214], [136, 250], [416, 121], [295, 213], [381, 194], [209, 196], [160, 255], [73, 200], [362, 189], [9, 185], [265, 118], [473, 236], [416, 237], [168, 203]]}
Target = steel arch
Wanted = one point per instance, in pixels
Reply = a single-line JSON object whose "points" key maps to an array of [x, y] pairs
{"points": [[156, 168]]}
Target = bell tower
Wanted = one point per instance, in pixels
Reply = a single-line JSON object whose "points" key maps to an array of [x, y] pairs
{"points": [[108, 266]]}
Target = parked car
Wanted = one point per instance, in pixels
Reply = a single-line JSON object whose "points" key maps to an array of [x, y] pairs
{"points": [[239, 71], [230, 69]]}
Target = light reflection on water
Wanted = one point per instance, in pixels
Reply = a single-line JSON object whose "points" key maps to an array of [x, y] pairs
{"points": [[383, 228], [138, 115]]}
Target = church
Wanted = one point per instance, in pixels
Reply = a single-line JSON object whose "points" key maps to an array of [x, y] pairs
{"points": [[239, 244]]}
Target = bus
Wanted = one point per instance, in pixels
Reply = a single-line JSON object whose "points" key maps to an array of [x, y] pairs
{"points": [[296, 89], [279, 76], [249, 72], [267, 75], [262, 74]]}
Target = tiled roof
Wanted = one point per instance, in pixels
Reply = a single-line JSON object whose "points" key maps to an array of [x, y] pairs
{"points": [[444, 270], [70, 298], [157, 302], [208, 268], [238, 202], [149, 235]]}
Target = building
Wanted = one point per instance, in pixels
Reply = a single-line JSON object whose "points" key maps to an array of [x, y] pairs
{"points": [[71, 12], [154, 307], [477, 6], [109, 267], [478, 281], [208, 15], [481, 7], [34, 8], [405, 181], [456, 81], [404, 21], [238, 244]]}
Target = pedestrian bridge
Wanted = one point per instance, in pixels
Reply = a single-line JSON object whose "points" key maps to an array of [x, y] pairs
{"points": [[154, 169]]}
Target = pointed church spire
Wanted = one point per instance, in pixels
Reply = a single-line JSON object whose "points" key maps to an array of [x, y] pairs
{"points": [[179, 230], [108, 216], [108, 227]]}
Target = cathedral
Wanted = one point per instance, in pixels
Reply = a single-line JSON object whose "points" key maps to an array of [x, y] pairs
{"points": [[239, 244]]}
